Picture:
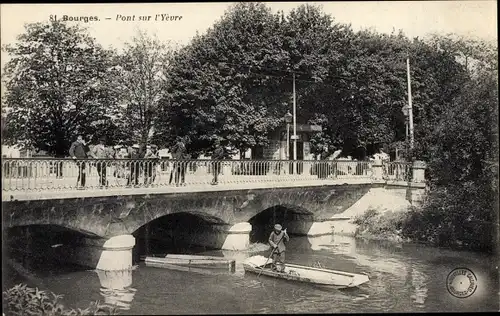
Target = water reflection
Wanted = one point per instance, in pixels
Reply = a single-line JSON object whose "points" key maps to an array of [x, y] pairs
{"points": [[377, 260], [320, 242], [402, 279], [419, 283], [382, 260], [116, 288]]}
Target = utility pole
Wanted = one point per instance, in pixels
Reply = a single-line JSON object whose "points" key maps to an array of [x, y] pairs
{"points": [[410, 109], [294, 128]]}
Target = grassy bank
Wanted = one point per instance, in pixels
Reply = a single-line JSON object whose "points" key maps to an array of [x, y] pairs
{"points": [[431, 224]]}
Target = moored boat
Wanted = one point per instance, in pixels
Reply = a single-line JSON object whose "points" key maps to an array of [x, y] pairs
{"points": [[152, 262], [295, 272], [191, 261]]}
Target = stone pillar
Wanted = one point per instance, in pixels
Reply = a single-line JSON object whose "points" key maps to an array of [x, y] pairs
{"points": [[113, 254], [377, 171], [116, 253], [320, 229], [419, 171], [238, 237]]}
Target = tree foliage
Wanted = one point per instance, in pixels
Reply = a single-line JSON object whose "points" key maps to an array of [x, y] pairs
{"points": [[235, 81], [463, 170], [57, 86], [216, 90], [140, 74]]}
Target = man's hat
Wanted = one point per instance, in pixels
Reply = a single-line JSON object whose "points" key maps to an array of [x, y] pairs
{"points": [[148, 147], [154, 146], [136, 146], [277, 227], [118, 146], [102, 138]]}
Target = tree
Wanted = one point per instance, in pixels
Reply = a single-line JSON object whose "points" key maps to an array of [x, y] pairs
{"points": [[57, 86], [219, 87], [463, 169], [359, 82], [140, 74], [473, 53], [459, 141]]}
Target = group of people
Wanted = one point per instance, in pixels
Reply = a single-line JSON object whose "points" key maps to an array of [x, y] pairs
{"points": [[179, 152], [130, 170], [140, 160]]}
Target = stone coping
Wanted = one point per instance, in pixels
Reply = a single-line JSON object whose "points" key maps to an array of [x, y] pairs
{"points": [[73, 193]]}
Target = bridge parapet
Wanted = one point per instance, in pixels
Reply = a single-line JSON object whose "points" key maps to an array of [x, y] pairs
{"points": [[44, 175]]}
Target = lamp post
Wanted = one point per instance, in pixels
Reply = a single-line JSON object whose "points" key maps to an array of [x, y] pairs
{"points": [[405, 111], [288, 120], [294, 128], [410, 107]]}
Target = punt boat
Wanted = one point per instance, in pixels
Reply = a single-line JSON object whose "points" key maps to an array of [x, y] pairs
{"points": [[295, 272]]}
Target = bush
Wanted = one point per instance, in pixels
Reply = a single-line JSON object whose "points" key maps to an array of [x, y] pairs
{"points": [[24, 300], [454, 216], [387, 225]]}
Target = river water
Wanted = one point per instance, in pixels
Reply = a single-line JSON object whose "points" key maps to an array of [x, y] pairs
{"points": [[403, 278]]}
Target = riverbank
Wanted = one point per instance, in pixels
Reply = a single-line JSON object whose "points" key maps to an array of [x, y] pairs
{"points": [[375, 225], [408, 227]]}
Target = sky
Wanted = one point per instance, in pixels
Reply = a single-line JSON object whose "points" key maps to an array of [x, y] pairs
{"points": [[475, 18]]}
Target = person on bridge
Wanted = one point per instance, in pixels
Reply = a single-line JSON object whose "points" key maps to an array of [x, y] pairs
{"points": [[101, 152], [151, 164], [217, 156], [277, 241], [77, 151], [179, 169], [120, 166], [134, 166]]}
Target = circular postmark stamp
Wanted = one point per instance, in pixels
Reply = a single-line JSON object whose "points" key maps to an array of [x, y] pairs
{"points": [[461, 282]]}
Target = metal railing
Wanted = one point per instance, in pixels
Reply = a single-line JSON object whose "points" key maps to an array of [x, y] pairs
{"points": [[397, 171], [62, 174]]}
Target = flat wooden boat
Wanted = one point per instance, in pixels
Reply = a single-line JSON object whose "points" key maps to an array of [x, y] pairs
{"points": [[295, 272], [152, 262], [192, 260]]}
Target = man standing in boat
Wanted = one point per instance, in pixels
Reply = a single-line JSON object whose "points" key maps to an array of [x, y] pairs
{"points": [[277, 241]]}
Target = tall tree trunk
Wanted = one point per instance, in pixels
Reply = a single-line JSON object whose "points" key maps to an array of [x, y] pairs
{"points": [[143, 142]]}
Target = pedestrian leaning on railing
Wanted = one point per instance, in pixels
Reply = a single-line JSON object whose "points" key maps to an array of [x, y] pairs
{"points": [[100, 151], [78, 151]]}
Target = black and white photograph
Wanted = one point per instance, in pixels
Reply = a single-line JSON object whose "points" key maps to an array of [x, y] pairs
{"points": [[250, 158]]}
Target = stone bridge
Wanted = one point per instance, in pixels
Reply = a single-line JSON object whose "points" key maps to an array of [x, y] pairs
{"points": [[222, 217]]}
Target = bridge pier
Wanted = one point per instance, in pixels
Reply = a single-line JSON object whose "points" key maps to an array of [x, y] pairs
{"points": [[238, 237], [113, 254], [320, 229], [117, 253]]}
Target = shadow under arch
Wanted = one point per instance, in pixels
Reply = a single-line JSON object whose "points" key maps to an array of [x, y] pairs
{"points": [[296, 220], [182, 232], [42, 249]]}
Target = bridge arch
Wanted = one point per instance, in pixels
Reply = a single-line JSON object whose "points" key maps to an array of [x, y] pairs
{"points": [[42, 227], [296, 219], [40, 246], [179, 231]]}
